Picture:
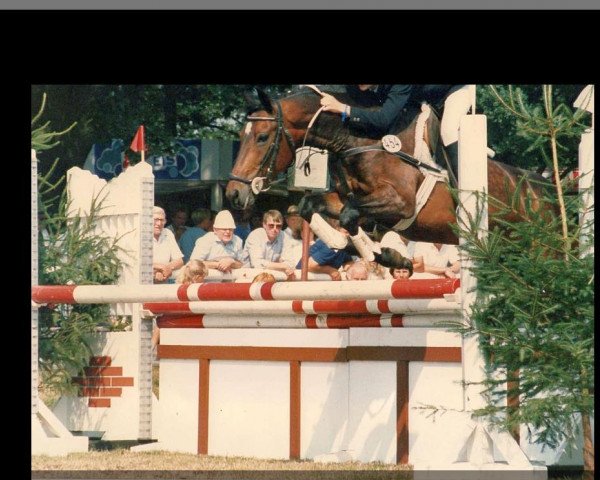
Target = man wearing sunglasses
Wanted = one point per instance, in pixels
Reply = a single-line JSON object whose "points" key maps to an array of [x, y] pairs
{"points": [[264, 245]]}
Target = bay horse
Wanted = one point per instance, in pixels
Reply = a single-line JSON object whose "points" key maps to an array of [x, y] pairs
{"points": [[372, 184]]}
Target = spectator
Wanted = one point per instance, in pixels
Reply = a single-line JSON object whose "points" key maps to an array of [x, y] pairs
{"points": [[358, 270], [264, 277], [291, 253], [201, 218], [167, 256], [435, 260], [220, 249], [194, 271], [327, 260], [404, 270], [264, 245], [293, 220], [178, 222], [242, 224], [376, 271]]}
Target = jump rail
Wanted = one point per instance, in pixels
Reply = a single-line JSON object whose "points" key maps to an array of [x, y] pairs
{"points": [[302, 321], [383, 289], [283, 307]]}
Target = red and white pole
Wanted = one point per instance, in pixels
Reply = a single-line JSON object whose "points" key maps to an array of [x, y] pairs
{"points": [[332, 321], [320, 290], [286, 307]]}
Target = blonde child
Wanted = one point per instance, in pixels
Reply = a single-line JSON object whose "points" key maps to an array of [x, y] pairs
{"points": [[192, 272]]}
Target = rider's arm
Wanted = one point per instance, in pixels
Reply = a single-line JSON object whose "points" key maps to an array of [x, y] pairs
{"points": [[381, 120]]}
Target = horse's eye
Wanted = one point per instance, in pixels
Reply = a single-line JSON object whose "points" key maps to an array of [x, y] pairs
{"points": [[262, 137]]}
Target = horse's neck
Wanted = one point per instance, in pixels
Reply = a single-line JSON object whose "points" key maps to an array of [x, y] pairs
{"points": [[325, 131]]}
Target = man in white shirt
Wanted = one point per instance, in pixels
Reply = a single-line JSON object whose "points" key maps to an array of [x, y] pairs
{"points": [[220, 249], [166, 255], [435, 260], [264, 245]]}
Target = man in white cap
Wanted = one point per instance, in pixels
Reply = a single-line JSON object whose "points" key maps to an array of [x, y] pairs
{"points": [[220, 249]]}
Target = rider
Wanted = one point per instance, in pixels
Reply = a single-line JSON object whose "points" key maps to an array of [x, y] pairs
{"points": [[392, 100]]}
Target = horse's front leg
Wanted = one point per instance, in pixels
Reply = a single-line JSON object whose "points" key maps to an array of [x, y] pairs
{"points": [[325, 204], [313, 207], [383, 205]]}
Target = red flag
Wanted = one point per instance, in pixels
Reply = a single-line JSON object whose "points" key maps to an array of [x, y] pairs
{"points": [[138, 144]]}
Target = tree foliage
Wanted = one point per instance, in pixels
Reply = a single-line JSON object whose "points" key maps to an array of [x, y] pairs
{"points": [[168, 112], [534, 313], [71, 253], [507, 133]]}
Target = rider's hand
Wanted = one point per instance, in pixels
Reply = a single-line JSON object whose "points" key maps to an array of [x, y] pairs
{"points": [[331, 104]]}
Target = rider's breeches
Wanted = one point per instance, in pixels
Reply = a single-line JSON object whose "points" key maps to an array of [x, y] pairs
{"points": [[456, 105]]}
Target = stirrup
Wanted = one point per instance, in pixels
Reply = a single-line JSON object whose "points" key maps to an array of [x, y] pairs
{"points": [[330, 236]]}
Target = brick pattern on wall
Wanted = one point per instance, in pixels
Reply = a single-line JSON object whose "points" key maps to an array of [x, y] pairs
{"points": [[101, 381]]}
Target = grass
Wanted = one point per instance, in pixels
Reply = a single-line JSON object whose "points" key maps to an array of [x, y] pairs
{"points": [[122, 463]]}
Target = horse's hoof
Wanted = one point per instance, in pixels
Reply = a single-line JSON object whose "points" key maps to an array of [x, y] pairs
{"points": [[349, 218], [390, 257]]}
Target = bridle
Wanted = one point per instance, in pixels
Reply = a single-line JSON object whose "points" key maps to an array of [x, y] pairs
{"points": [[262, 184]]}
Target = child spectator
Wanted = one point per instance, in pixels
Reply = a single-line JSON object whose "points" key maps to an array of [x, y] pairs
{"points": [[264, 277], [404, 270], [194, 271]]}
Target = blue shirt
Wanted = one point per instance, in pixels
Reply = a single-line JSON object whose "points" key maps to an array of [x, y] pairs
{"points": [[324, 255], [242, 231], [188, 240]]}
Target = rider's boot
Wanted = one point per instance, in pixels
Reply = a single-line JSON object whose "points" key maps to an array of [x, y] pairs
{"points": [[452, 151]]}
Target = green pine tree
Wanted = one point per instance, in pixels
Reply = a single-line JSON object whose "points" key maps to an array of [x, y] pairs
{"points": [[71, 254], [535, 309]]}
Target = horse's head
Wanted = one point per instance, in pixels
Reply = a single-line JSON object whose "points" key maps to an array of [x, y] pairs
{"points": [[274, 130], [267, 147]]}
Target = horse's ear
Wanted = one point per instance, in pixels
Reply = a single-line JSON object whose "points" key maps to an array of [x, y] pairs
{"points": [[251, 99], [265, 100], [257, 99]]}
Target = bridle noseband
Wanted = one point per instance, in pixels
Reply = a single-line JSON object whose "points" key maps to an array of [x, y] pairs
{"points": [[258, 183]]}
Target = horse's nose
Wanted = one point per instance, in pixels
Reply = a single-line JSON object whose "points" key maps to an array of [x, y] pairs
{"points": [[234, 196]]}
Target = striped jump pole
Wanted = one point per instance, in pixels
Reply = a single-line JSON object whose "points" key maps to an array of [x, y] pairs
{"points": [[332, 321], [320, 290], [287, 307]]}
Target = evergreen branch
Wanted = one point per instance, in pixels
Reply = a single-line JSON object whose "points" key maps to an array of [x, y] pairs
{"points": [[39, 114]]}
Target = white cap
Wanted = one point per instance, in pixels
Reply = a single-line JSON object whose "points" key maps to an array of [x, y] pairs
{"points": [[224, 219]]}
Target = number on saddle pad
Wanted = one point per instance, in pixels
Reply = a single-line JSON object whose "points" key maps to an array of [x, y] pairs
{"points": [[391, 143]]}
